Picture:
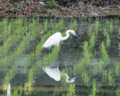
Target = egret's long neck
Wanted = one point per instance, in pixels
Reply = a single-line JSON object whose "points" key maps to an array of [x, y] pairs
{"points": [[66, 37]]}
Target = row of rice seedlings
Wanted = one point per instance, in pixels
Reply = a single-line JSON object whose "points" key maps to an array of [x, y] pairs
{"points": [[83, 66], [3, 26], [109, 26], [104, 53], [29, 84], [12, 40], [20, 49], [8, 77]]}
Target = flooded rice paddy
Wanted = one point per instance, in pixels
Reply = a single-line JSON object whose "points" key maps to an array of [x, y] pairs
{"points": [[93, 57]]}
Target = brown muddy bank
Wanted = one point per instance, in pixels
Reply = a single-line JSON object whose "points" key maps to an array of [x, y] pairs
{"points": [[35, 8]]}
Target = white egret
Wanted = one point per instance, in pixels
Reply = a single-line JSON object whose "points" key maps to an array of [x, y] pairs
{"points": [[56, 38], [8, 90], [56, 75]]}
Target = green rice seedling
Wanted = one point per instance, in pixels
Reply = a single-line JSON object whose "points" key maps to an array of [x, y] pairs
{"points": [[111, 80], [78, 68], [73, 26], [111, 26], [45, 25], [90, 30], [29, 84], [92, 41], [86, 52], [63, 78], [17, 92], [108, 41], [119, 48], [3, 27], [101, 65], [97, 25], [119, 32], [59, 26], [118, 91], [85, 77], [95, 70], [105, 32], [104, 76], [71, 90], [9, 75], [94, 89], [105, 56], [51, 57], [117, 68]]}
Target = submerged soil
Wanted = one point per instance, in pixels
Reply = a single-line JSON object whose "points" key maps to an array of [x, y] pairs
{"points": [[76, 9]]}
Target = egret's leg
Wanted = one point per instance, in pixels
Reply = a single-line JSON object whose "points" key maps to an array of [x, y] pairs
{"points": [[58, 50]]}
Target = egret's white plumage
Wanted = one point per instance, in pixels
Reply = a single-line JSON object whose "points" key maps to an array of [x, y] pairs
{"points": [[56, 75], [56, 38], [8, 90]]}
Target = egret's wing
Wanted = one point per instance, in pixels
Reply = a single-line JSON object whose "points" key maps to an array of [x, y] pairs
{"points": [[52, 40], [53, 73], [8, 90]]}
